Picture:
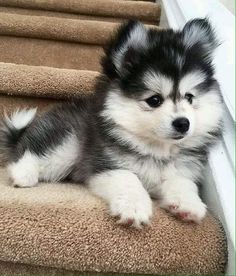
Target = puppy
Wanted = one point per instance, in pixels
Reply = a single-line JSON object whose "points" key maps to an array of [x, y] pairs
{"points": [[146, 133]]}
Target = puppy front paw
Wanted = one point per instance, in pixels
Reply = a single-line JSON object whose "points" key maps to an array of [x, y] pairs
{"points": [[23, 177], [188, 207], [134, 211]]}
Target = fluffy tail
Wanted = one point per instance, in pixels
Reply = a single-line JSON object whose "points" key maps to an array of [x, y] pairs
{"points": [[11, 129]]}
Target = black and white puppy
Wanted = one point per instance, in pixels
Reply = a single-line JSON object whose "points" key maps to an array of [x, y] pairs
{"points": [[146, 133]]}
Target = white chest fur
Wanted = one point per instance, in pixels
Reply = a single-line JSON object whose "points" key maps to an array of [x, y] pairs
{"points": [[146, 168]]}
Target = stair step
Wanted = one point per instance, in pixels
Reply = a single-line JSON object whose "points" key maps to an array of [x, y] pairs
{"points": [[83, 31], [40, 81], [52, 53], [113, 8]]}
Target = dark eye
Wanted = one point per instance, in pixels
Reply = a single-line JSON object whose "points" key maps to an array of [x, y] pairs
{"points": [[154, 101], [189, 97]]}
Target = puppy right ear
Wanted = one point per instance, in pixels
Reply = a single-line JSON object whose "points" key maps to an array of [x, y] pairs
{"points": [[199, 33], [124, 49]]}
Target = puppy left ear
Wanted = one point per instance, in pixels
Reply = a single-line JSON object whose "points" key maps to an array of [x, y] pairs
{"points": [[199, 32], [124, 49]]}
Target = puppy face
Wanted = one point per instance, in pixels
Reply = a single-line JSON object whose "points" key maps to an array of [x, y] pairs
{"points": [[162, 85]]}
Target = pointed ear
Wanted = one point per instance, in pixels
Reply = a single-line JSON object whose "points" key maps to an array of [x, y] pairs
{"points": [[124, 49], [199, 32]]}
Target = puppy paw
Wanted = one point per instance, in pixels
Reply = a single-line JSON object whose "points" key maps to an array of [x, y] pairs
{"points": [[24, 180], [187, 208], [23, 177], [132, 211]]}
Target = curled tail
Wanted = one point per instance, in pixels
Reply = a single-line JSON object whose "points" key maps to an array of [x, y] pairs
{"points": [[11, 129]]}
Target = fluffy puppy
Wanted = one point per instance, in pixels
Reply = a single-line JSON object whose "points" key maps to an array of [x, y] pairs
{"points": [[146, 133]]}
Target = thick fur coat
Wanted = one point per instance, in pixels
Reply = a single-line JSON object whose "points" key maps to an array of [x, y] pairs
{"points": [[146, 133]]}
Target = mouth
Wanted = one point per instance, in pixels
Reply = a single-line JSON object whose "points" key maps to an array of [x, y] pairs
{"points": [[178, 137]]}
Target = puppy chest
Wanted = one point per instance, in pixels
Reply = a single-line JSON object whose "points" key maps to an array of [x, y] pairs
{"points": [[147, 169]]}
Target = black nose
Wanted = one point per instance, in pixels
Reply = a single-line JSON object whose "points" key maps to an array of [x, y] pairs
{"points": [[181, 124]]}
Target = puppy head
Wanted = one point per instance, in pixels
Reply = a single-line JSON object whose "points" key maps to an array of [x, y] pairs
{"points": [[161, 82]]}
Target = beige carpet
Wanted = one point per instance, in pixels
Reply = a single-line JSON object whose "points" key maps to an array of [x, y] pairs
{"points": [[64, 226], [106, 8]]}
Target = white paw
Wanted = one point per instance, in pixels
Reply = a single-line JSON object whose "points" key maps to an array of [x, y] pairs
{"points": [[24, 173], [188, 207], [132, 210], [24, 179]]}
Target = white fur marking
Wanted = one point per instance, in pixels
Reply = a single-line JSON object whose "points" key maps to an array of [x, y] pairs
{"points": [[137, 38], [191, 80], [138, 128], [194, 35], [53, 166], [125, 195], [57, 163], [146, 169], [179, 195], [25, 172], [21, 118], [158, 83]]}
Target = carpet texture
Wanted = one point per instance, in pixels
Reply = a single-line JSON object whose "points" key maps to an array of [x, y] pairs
{"points": [[10, 104], [49, 53], [59, 54], [83, 31], [17, 269], [113, 8], [65, 15], [39, 81], [64, 226]]}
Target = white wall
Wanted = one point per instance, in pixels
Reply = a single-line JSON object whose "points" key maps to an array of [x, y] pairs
{"points": [[229, 4]]}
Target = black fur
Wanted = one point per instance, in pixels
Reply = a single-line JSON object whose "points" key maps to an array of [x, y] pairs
{"points": [[163, 46]]}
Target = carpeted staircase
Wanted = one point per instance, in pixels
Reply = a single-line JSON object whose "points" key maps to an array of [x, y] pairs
{"points": [[58, 34], [49, 53]]}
